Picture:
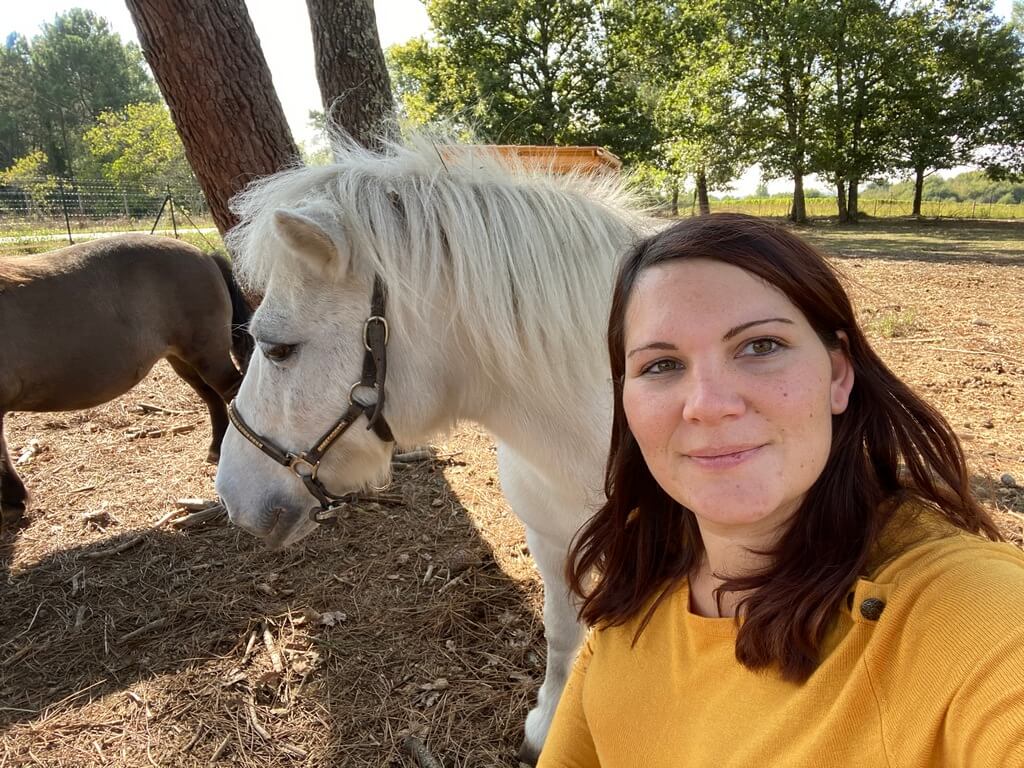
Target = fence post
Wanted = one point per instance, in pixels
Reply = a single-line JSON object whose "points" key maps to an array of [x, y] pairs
{"points": [[64, 207], [170, 199]]}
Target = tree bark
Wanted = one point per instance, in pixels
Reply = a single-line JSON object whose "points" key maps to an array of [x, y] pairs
{"points": [[851, 201], [208, 63], [798, 213], [918, 190], [675, 197], [350, 68], [702, 193], [844, 213]]}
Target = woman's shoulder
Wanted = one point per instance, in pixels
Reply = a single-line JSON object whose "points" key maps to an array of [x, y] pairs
{"points": [[944, 575]]}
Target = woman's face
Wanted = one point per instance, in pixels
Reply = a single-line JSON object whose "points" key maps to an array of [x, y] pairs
{"points": [[729, 392]]}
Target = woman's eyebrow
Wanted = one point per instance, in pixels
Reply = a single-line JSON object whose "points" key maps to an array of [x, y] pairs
{"points": [[740, 328], [732, 332], [653, 345]]}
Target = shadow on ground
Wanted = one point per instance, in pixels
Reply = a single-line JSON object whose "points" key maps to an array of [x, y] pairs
{"points": [[190, 647]]}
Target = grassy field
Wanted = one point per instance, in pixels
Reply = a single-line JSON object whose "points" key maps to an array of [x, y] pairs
{"points": [[825, 207]]}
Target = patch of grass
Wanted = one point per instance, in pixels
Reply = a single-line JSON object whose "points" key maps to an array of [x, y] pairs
{"points": [[891, 322]]}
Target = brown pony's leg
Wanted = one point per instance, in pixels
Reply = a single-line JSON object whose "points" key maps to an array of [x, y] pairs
{"points": [[215, 385], [12, 491]]}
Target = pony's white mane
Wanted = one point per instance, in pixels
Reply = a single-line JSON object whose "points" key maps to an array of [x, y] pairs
{"points": [[527, 255]]}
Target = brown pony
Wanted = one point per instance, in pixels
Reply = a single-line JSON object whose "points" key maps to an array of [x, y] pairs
{"points": [[84, 324]]}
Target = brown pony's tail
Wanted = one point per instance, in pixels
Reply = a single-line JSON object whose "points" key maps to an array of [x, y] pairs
{"points": [[242, 344]]}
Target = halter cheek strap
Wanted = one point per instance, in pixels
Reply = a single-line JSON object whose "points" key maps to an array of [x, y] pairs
{"points": [[365, 397]]}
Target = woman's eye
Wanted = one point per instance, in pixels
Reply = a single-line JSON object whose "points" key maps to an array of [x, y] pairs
{"points": [[761, 347], [276, 352], [662, 366]]}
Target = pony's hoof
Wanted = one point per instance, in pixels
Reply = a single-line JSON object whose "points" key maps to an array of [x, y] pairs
{"points": [[213, 457], [528, 753]]}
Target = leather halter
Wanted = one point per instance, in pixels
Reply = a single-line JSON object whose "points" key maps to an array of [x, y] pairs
{"points": [[366, 396]]}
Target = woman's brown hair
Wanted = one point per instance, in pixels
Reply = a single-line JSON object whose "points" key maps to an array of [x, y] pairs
{"points": [[888, 444]]}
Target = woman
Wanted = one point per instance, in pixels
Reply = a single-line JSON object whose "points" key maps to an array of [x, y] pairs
{"points": [[790, 568]]}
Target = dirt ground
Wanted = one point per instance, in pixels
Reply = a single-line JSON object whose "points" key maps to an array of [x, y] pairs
{"points": [[419, 615]]}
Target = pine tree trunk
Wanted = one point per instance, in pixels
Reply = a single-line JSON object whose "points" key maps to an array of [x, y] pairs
{"points": [[350, 68], [702, 193], [208, 63], [918, 191], [851, 202], [798, 213]]}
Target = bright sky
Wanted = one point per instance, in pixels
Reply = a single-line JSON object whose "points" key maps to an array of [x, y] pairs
{"points": [[282, 26], [283, 29]]}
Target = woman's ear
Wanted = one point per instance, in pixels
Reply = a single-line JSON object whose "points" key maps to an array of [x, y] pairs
{"points": [[842, 374]]}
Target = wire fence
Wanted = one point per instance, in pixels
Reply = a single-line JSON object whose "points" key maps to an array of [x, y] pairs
{"points": [[53, 211], [48, 212]]}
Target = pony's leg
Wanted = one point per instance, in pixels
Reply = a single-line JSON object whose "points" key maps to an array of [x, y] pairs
{"points": [[539, 505], [564, 635], [212, 396], [12, 490]]}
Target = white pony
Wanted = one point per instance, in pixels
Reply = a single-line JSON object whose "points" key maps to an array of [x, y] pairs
{"points": [[497, 281]]}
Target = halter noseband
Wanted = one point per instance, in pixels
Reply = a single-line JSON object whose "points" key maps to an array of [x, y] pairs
{"points": [[366, 396]]}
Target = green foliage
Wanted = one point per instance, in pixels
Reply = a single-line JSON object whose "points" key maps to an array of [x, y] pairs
{"points": [[850, 89], [52, 89], [688, 88], [139, 146], [427, 87], [28, 174], [861, 74], [518, 72], [965, 90], [973, 186]]}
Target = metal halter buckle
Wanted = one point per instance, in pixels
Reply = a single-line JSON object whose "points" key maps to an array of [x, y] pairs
{"points": [[383, 321]]}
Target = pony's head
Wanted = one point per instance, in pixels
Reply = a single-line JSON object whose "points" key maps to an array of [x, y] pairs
{"points": [[490, 276], [308, 332]]}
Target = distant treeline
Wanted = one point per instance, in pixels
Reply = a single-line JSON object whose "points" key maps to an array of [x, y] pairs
{"points": [[973, 186]]}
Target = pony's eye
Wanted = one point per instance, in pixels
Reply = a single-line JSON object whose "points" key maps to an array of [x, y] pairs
{"points": [[276, 352]]}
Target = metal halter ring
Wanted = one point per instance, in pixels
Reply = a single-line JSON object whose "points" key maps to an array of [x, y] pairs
{"points": [[352, 391], [383, 321], [296, 460]]}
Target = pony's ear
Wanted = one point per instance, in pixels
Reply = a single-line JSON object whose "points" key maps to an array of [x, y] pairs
{"points": [[307, 231]]}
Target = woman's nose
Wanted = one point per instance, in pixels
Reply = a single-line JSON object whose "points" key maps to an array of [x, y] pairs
{"points": [[712, 395]]}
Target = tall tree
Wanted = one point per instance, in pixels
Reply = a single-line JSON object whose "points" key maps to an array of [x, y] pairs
{"points": [[19, 125], [964, 92], [351, 69], [210, 68], [782, 53], [689, 79], [54, 87], [522, 72], [527, 71], [865, 66]]}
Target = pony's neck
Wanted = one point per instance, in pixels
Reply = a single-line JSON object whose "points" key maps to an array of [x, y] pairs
{"points": [[556, 418]]}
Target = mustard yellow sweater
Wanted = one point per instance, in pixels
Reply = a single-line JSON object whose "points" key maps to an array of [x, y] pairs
{"points": [[936, 680]]}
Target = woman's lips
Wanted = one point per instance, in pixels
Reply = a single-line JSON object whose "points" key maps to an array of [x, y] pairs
{"points": [[723, 458]]}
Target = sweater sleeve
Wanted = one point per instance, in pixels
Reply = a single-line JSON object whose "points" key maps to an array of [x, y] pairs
{"points": [[569, 743], [985, 722]]}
